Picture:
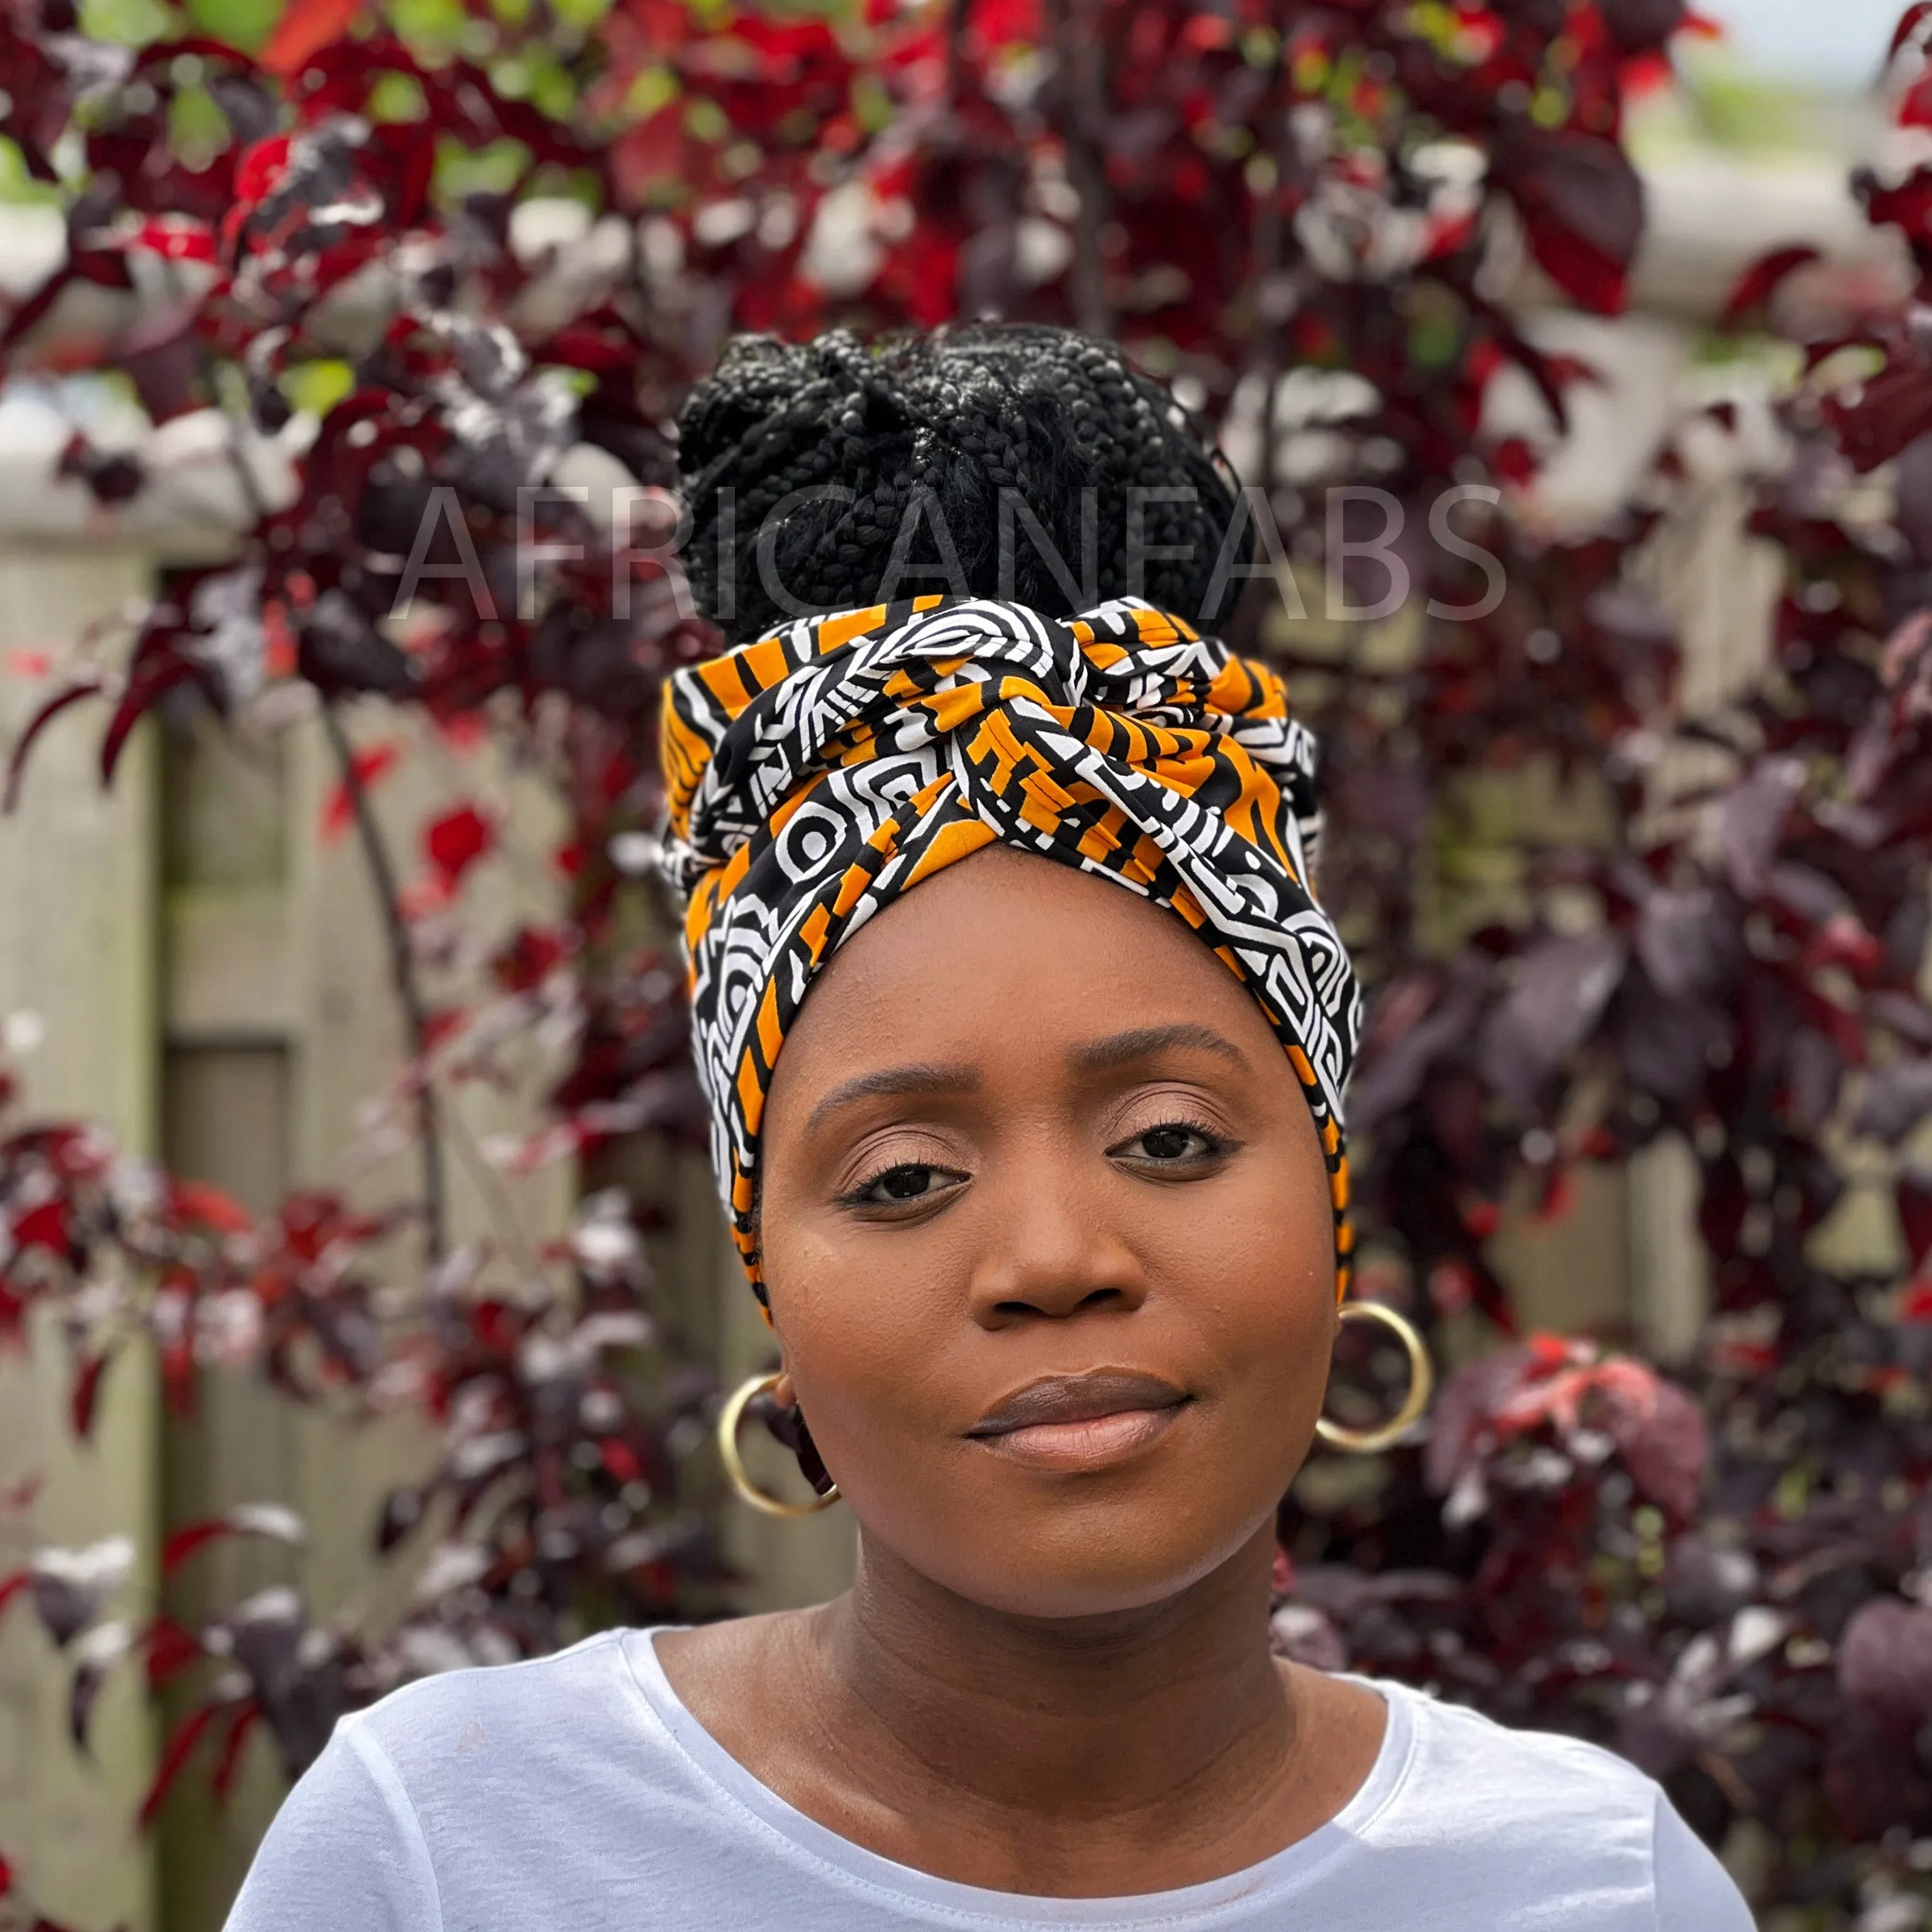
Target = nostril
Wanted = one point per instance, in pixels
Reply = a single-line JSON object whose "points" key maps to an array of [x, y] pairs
{"points": [[1097, 1298]]}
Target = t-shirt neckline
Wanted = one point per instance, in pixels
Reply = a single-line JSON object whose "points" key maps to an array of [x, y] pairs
{"points": [[1273, 1881]]}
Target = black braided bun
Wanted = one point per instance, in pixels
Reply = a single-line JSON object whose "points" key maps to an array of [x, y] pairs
{"points": [[918, 435]]}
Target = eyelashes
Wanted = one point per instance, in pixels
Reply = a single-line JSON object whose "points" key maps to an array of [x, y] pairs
{"points": [[1179, 1145]]}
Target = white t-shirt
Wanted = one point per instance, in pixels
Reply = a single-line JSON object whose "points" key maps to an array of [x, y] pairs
{"points": [[577, 1793]]}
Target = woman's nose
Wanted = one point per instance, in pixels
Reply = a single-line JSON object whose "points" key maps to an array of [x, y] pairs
{"points": [[1051, 1252]]}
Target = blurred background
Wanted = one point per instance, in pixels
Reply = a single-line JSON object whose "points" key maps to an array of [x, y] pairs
{"points": [[364, 1301]]}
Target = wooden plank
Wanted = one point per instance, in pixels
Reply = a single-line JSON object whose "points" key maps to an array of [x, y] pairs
{"points": [[77, 926]]}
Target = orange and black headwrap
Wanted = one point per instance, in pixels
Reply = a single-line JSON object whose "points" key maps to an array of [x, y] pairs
{"points": [[815, 775]]}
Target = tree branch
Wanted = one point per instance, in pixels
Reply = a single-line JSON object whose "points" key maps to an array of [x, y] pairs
{"points": [[403, 971], [1080, 89]]}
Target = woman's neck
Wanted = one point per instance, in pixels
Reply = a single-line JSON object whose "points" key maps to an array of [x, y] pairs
{"points": [[1085, 1758], [1136, 1712]]}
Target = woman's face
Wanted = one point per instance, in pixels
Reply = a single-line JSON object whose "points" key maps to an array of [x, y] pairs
{"points": [[1046, 1231]]}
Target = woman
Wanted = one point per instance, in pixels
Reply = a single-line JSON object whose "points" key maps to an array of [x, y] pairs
{"points": [[1041, 1184]]}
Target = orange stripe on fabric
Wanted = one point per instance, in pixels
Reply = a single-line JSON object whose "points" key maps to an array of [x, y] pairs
{"points": [[1144, 866], [995, 744], [1185, 775], [950, 709], [1234, 689], [685, 755], [851, 889], [1102, 838], [733, 874], [834, 631], [767, 662], [725, 682], [1189, 907], [1299, 1061], [1044, 801], [929, 795], [949, 845], [697, 913], [816, 930], [751, 1094], [771, 1035]]}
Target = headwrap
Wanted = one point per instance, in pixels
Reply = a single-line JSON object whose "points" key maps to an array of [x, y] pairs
{"points": [[814, 776]]}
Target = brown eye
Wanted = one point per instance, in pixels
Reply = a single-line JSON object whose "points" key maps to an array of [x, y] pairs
{"points": [[1173, 1144], [904, 1185]]}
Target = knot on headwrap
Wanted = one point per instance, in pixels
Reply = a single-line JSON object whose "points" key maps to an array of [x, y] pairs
{"points": [[815, 775]]}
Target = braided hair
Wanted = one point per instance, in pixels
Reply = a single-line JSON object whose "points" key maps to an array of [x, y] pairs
{"points": [[828, 475]]}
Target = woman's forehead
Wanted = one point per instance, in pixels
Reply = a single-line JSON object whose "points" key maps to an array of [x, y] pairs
{"points": [[1006, 953]]}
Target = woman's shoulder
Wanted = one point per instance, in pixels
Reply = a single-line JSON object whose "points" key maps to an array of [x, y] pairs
{"points": [[525, 1711], [1460, 1760]]}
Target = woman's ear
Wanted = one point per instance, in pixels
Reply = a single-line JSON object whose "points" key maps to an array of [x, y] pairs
{"points": [[783, 1393]]}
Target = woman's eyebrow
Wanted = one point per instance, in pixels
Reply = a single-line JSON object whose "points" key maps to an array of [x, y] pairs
{"points": [[1121, 1049], [895, 1080]]}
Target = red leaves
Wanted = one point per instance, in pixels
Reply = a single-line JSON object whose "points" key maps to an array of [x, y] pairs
{"points": [[1885, 1664], [241, 1724], [304, 29], [1913, 1197], [48, 1226], [84, 1400], [372, 764], [88, 687], [1639, 26], [455, 842], [197, 1201], [174, 1755], [531, 954], [1761, 281], [249, 1519], [1582, 209], [1555, 1390], [1914, 25]]}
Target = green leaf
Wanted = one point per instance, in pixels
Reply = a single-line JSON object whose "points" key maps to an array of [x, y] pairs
{"points": [[429, 23], [318, 386], [132, 23], [397, 97], [241, 23]]}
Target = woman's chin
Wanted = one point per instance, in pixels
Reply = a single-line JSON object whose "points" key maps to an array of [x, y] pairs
{"points": [[1072, 1549]]}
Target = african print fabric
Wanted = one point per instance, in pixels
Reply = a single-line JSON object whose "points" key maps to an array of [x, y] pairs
{"points": [[815, 775]]}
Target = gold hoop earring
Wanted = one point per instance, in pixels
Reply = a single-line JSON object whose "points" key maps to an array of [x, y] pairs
{"points": [[728, 1418], [1422, 1386]]}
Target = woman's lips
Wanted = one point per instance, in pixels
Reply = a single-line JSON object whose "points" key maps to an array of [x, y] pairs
{"points": [[1081, 1421]]}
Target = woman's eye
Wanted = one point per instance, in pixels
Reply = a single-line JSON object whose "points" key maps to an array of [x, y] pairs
{"points": [[897, 1185], [1172, 1145]]}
